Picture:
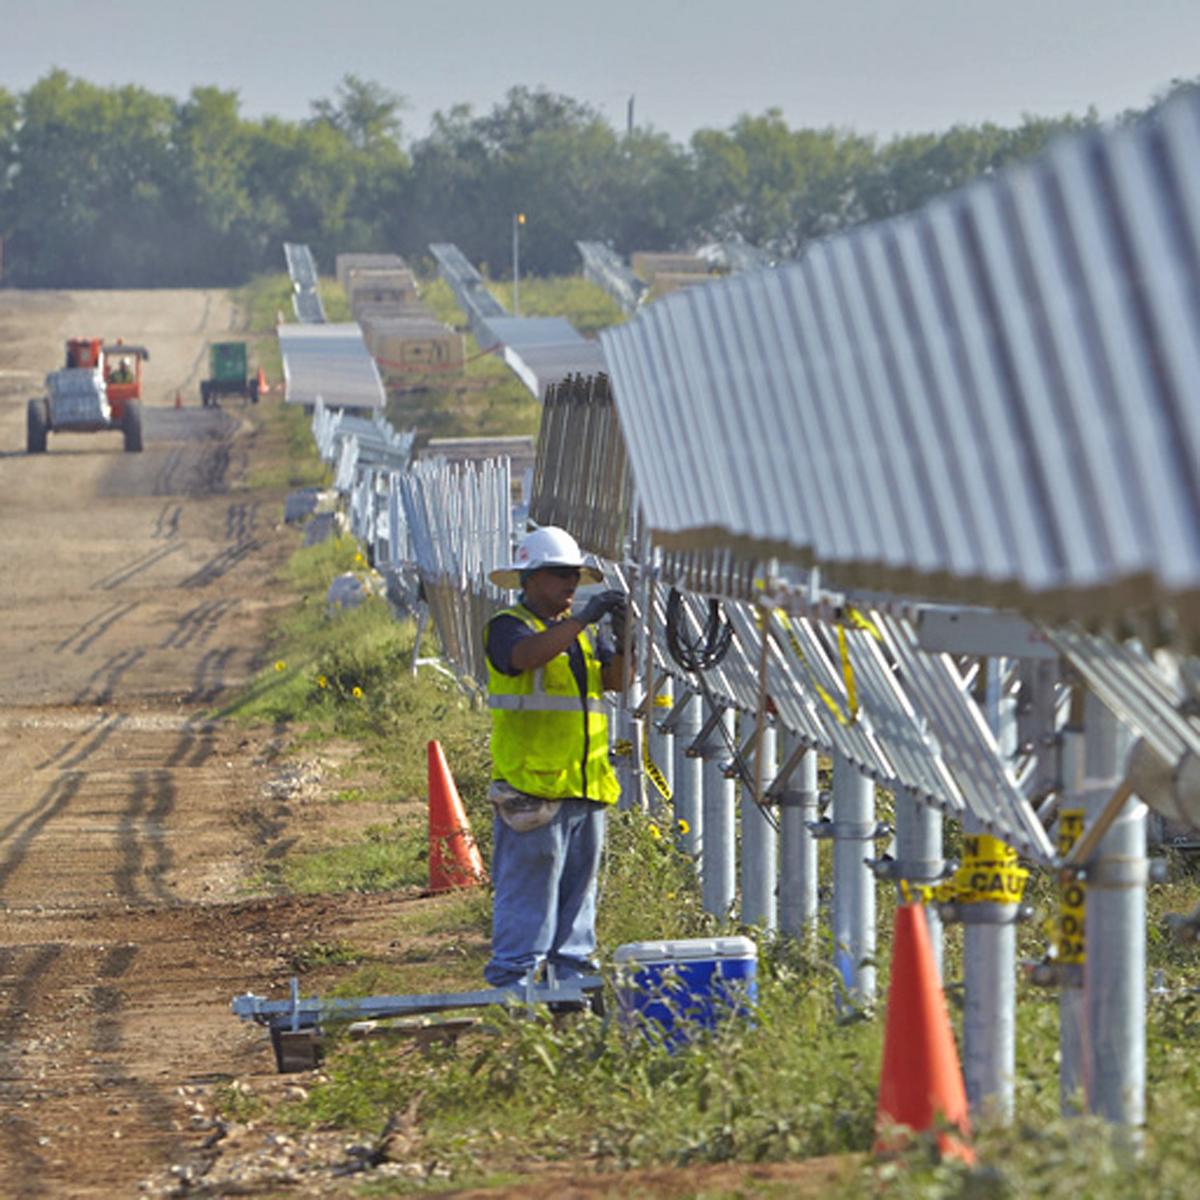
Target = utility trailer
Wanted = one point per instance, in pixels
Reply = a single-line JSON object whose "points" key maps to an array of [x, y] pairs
{"points": [[99, 388], [228, 374]]}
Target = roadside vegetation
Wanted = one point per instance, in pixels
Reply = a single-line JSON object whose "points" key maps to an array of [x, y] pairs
{"points": [[514, 1097]]}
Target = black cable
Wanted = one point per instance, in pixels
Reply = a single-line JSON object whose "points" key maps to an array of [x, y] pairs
{"points": [[699, 655], [705, 651]]}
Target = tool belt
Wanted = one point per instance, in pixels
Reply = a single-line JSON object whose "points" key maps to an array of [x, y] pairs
{"points": [[520, 811]]}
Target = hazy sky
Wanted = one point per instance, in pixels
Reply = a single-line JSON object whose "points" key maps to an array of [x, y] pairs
{"points": [[881, 66]]}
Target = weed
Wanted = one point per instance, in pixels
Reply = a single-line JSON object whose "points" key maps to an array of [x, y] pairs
{"points": [[314, 955], [237, 1102]]}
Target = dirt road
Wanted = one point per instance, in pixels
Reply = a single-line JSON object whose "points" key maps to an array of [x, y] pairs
{"points": [[134, 589]]}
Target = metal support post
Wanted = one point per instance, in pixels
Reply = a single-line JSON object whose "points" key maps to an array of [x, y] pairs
{"points": [[1069, 975], [853, 881], [990, 1003], [717, 862], [660, 741], [688, 776], [1114, 972], [989, 959], [626, 765], [760, 845], [919, 855], [798, 802]]}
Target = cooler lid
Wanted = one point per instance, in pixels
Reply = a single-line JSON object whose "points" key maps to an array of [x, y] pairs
{"points": [[686, 950]]}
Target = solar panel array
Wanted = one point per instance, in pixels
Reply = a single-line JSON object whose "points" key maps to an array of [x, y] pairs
{"points": [[992, 398]]}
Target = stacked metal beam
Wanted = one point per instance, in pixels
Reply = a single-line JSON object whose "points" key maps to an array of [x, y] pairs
{"points": [[306, 300], [606, 269], [330, 363], [539, 350]]}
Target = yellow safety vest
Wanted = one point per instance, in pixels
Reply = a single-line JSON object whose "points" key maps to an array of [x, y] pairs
{"points": [[547, 739]]}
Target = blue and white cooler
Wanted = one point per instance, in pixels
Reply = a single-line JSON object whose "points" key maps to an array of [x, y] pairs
{"points": [[685, 986]]}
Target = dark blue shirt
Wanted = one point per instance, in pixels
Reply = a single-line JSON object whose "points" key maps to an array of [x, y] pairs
{"points": [[505, 631]]}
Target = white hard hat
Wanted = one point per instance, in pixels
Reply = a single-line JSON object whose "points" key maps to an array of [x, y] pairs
{"points": [[548, 546]]}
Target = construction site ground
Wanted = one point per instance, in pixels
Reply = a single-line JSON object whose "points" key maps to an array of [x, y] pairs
{"points": [[137, 590]]}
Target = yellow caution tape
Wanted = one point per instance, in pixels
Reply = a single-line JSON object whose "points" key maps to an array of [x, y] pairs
{"points": [[864, 623], [1068, 926], [847, 672], [988, 874], [828, 700], [624, 749], [657, 777]]}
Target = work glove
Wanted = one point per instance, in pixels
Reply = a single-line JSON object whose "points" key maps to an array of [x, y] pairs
{"points": [[617, 620], [600, 604]]}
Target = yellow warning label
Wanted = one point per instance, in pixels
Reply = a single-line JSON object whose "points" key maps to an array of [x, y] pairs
{"points": [[988, 874], [1069, 940]]}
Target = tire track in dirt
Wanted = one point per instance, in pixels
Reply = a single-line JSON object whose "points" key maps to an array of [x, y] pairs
{"points": [[101, 730], [125, 832], [100, 629], [49, 805], [20, 1135]]}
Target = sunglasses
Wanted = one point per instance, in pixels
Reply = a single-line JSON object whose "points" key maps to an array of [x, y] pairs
{"points": [[564, 572]]}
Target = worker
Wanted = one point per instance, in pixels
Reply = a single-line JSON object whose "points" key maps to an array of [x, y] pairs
{"points": [[123, 373], [552, 781]]}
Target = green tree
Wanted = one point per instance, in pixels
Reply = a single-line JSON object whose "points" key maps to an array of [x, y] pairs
{"points": [[218, 228], [366, 113], [87, 194]]}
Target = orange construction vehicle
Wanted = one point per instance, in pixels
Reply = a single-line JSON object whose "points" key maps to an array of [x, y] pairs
{"points": [[100, 387]]}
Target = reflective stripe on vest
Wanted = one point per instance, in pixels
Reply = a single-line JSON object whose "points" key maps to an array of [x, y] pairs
{"points": [[551, 744], [540, 702]]}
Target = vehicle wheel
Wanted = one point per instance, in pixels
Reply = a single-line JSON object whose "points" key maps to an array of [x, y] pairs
{"points": [[205, 398], [132, 425], [254, 391], [35, 427]]}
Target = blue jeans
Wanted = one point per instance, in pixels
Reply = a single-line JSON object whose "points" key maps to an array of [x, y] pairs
{"points": [[544, 901]]}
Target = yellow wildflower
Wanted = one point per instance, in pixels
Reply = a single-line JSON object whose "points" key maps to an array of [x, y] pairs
{"points": [[683, 825], [357, 693], [280, 665], [322, 682], [655, 832]]}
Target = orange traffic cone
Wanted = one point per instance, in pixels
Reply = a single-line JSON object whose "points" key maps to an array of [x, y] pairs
{"points": [[921, 1083], [454, 858], [263, 386]]}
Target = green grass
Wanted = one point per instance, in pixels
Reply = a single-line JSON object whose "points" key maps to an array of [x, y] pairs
{"points": [[299, 467], [333, 300], [588, 307], [259, 304], [383, 858]]}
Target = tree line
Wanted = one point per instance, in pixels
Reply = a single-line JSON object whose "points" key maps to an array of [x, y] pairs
{"points": [[118, 186]]}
